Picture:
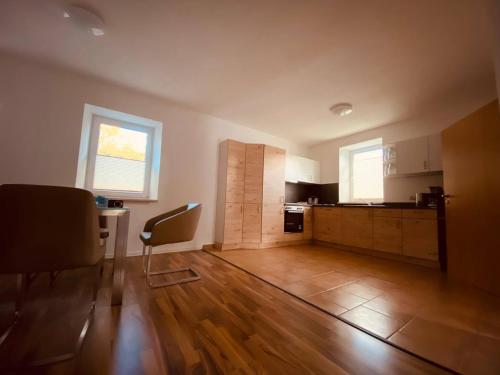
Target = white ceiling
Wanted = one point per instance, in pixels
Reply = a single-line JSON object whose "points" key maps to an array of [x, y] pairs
{"points": [[273, 65]]}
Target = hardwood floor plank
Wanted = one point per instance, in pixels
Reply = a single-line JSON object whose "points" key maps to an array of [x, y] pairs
{"points": [[228, 322]]}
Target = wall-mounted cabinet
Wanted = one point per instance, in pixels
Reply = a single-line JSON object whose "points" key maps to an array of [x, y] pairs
{"points": [[413, 156], [302, 169]]}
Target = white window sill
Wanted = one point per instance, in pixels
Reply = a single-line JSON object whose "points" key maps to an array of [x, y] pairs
{"points": [[128, 199]]}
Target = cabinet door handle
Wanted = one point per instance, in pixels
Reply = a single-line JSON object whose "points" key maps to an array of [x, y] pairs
{"points": [[425, 164]]}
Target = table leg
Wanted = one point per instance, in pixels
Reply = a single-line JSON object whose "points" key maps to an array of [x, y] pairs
{"points": [[119, 258]]}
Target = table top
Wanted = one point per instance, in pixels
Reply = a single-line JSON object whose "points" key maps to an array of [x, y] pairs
{"points": [[112, 211]]}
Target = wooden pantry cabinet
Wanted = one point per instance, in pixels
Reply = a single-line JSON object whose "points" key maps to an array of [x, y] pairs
{"points": [[230, 194], [251, 193], [273, 214]]}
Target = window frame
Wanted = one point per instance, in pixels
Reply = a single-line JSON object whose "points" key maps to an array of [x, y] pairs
{"points": [[352, 153], [92, 118]]}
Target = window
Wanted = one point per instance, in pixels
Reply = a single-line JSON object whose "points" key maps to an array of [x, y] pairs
{"points": [[361, 172], [119, 154]]}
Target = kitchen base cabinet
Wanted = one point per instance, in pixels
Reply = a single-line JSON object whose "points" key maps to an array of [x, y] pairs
{"points": [[326, 224], [405, 234], [387, 234], [420, 238], [308, 228], [357, 227], [387, 230]]}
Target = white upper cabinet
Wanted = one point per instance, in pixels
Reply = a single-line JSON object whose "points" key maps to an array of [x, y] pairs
{"points": [[418, 155], [301, 169], [435, 159], [412, 156]]}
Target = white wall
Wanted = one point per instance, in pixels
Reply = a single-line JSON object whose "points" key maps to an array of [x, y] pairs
{"points": [[41, 110], [395, 189]]}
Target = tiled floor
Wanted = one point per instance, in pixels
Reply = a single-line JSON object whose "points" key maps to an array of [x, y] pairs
{"points": [[414, 307]]}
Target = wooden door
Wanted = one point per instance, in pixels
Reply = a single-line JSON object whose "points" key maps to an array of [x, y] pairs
{"points": [[471, 165]]}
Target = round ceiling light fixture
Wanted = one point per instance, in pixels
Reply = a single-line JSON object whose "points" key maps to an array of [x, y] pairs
{"points": [[342, 109], [85, 19]]}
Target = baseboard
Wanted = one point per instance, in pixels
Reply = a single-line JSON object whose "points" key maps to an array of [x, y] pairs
{"points": [[250, 246], [380, 254]]}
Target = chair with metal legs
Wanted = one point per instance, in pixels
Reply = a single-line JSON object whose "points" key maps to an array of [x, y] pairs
{"points": [[48, 229], [175, 226]]}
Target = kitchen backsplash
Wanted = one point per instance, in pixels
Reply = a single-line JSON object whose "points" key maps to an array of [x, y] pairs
{"points": [[400, 189], [299, 192]]}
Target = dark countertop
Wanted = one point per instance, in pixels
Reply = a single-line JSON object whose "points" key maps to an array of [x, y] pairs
{"points": [[405, 205]]}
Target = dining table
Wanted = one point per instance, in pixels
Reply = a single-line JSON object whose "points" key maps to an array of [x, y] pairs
{"points": [[122, 215]]}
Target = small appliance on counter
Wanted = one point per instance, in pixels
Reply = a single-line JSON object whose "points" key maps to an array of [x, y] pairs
{"points": [[312, 200], [429, 199], [294, 219]]}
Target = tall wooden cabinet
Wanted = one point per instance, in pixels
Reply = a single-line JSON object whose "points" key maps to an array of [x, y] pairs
{"points": [[230, 195], [251, 194], [252, 201], [273, 197]]}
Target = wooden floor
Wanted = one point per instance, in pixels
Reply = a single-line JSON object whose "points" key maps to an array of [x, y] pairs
{"points": [[228, 322], [412, 306]]}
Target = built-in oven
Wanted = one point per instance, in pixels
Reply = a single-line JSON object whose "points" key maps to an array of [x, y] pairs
{"points": [[294, 219]]}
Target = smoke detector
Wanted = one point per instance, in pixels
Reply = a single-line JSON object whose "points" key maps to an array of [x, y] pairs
{"points": [[342, 109], [84, 19]]}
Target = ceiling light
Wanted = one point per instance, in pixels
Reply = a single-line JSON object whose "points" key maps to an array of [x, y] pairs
{"points": [[85, 19], [342, 109]]}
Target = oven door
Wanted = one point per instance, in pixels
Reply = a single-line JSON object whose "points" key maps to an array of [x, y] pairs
{"points": [[294, 221]]}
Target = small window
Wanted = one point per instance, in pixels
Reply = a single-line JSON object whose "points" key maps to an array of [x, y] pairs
{"points": [[120, 154], [361, 172]]}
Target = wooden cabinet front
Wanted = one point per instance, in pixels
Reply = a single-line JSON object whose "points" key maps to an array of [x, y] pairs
{"points": [[254, 169], [357, 227], [274, 175], [326, 224], [252, 223], [273, 195], [420, 238], [387, 234], [273, 222], [235, 173], [233, 223], [308, 225]]}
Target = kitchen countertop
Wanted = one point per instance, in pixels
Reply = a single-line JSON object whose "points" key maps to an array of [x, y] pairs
{"points": [[405, 205]]}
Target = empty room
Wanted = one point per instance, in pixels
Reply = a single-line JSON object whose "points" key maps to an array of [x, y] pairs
{"points": [[251, 187]]}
